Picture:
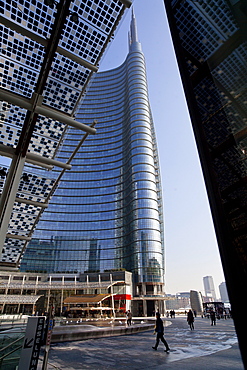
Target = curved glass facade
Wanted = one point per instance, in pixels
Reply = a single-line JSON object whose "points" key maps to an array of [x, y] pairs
{"points": [[106, 213]]}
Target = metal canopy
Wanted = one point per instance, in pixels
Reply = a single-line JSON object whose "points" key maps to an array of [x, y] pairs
{"points": [[19, 299], [86, 298], [59, 286], [48, 56]]}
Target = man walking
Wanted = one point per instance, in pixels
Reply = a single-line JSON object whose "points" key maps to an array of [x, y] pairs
{"points": [[213, 317], [159, 329], [129, 318]]}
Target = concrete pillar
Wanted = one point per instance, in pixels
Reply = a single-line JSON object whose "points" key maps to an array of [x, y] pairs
{"points": [[61, 306], [112, 297], [48, 300], [144, 308]]}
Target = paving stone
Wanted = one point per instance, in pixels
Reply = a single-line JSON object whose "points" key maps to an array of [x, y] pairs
{"points": [[205, 348]]}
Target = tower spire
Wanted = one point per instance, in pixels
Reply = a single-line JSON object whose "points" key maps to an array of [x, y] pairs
{"points": [[133, 37], [133, 28]]}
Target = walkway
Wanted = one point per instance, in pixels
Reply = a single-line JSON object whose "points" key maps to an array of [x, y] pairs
{"points": [[206, 348]]}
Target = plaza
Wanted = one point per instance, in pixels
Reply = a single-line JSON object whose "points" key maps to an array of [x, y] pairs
{"points": [[207, 347]]}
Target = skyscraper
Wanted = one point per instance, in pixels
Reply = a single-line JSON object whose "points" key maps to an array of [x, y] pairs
{"points": [[49, 52], [209, 288], [223, 292], [106, 213]]}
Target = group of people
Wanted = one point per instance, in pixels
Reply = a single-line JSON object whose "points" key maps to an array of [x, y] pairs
{"points": [[172, 314], [159, 327], [190, 318]]}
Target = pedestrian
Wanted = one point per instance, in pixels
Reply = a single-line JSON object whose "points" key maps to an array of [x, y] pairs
{"points": [[159, 330], [213, 317], [190, 319], [129, 318]]}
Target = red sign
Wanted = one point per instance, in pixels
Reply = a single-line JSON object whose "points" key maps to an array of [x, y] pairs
{"points": [[122, 297]]}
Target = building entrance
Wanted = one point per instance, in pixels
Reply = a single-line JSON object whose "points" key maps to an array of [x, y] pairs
{"points": [[150, 308]]}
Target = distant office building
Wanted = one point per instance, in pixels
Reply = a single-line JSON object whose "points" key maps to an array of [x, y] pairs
{"points": [[106, 213], [180, 301], [183, 294], [223, 292], [210, 41], [209, 288], [196, 302]]}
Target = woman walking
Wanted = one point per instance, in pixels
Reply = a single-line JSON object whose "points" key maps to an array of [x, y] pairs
{"points": [[190, 319]]}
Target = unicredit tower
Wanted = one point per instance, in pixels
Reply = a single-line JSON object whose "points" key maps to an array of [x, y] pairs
{"points": [[106, 213]]}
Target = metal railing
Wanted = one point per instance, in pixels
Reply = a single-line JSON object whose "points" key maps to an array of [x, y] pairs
{"points": [[11, 341]]}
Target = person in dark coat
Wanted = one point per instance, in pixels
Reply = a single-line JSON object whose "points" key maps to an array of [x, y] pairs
{"points": [[190, 319], [159, 330], [129, 318], [213, 318]]}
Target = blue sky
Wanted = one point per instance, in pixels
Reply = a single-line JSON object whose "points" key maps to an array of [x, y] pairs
{"points": [[191, 247]]}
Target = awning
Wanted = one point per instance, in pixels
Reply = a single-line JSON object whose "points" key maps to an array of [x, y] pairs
{"points": [[19, 299], [86, 298]]}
